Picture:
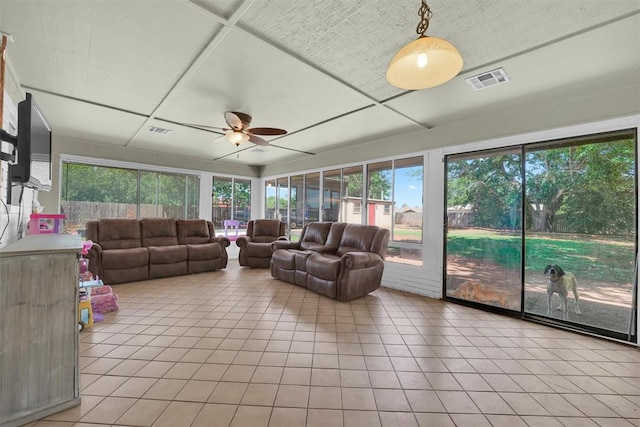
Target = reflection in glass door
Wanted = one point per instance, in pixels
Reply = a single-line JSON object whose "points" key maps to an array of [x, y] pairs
{"points": [[484, 236], [581, 231]]}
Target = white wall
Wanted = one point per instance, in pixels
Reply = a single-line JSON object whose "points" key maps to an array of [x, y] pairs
{"points": [[13, 218]]}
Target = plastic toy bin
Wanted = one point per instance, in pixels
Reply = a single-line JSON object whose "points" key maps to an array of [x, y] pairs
{"points": [[45, 223]]}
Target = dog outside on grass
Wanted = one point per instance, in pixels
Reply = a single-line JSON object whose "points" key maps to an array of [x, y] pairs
{"points": [[561, 282]]}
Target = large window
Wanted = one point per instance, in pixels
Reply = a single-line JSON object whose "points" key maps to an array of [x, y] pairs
{"points": [[331, 181], [351, 194], [379, 186], [270, 199], [277, 199], [311, 197], [231, 199], [547, 230], [393, 200], [90, 192]]}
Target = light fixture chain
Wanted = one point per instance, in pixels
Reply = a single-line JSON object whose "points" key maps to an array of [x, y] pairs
{"points": [[425, 14]]}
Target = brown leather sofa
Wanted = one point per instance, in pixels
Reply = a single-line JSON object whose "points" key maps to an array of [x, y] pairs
{"points": [[341, 261], [255, 247], [127, 250]]}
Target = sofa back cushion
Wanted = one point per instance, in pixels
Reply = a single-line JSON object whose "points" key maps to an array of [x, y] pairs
{"points": [[335, 234], [266, 230], [314, 234], [363, 238], [158, 232], [193, 231], [119, 233]]}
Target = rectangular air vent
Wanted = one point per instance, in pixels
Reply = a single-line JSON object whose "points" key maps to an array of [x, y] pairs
{"points": [[258, 150], [488, 79], [161, 131]]}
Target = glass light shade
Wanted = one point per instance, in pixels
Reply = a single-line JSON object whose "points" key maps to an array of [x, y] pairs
{"points": [[425, 62], [236, 138]]}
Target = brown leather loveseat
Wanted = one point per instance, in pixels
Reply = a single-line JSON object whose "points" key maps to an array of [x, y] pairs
{"points": [[341, 261], [127, 250]]}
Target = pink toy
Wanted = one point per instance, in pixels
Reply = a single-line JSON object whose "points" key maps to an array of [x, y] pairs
{"points": [[103, 300], [86, 245]]}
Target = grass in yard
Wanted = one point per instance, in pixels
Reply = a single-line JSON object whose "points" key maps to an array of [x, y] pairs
{"points": [[592, 257]]}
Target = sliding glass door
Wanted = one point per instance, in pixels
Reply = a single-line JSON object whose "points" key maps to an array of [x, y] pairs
{"points": [[581, 230], [484, 237], [548, 231]]}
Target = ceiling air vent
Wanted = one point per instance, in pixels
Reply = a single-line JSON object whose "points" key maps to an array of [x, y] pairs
{"points": [[258, 150], [488, 79], [161, 131]]}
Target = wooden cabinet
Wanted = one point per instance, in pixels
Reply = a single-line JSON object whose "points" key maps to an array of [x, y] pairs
{"points": [[39, 371]]}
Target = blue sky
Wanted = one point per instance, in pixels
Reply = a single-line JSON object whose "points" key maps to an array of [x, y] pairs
{"points": [[408, 189]]}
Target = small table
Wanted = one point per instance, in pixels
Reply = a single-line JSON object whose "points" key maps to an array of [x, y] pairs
{"points": [[231, 223]]}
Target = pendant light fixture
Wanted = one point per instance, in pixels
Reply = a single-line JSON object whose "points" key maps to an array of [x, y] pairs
{"points": [[425, 62]]}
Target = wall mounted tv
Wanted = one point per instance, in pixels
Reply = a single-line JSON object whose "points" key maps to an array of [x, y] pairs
{"points": [[33, 168]]}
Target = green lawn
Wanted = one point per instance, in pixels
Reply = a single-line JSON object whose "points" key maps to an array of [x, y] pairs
{"points": [[592, 257]]}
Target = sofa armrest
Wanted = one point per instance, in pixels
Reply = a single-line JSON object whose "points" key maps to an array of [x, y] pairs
{"points": [[223, 241], [323, 249], [356, 260], [284, 244], [243, 240], [95, 259]]}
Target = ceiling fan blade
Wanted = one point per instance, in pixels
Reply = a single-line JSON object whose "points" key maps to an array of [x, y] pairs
{"points": [[233, 120], [194, 125], [257, 140], [267, 131], [221, 138]]}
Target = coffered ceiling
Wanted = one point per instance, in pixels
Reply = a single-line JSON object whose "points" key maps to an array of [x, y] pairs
{"points": [[105, 71]]}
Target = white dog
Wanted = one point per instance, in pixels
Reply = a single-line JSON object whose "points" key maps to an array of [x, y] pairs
{"points": [[561, 283]]}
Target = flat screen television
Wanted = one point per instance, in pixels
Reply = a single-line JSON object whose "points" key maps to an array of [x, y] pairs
{"points": [[33, 168]]}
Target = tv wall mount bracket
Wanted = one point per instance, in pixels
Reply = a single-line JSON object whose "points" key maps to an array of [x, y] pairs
{"points": [[13, 140]]}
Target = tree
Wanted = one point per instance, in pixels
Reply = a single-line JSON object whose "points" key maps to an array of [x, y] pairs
{"points": [[491, 186]]}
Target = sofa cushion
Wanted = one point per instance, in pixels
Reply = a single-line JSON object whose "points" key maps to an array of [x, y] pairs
{"points": [[124, 258], [315, 234], [119, 233], [356, 238], [266, 227], [323, 266], [193, 231], [167, 254], [204, 251], [258, 250], [285, 259], [158, 232]]}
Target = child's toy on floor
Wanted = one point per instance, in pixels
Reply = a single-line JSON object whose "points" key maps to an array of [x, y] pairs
{"points": [[103, 300]]}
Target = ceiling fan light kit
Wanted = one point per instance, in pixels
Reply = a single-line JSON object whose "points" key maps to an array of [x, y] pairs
{"points": [[239, 130], [425, 62], [236, 137]]}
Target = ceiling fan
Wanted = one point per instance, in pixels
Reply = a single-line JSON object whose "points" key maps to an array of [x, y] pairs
{"points": [[239, 130]]}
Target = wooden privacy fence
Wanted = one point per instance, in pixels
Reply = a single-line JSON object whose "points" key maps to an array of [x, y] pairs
{"points": [[78, 213]]}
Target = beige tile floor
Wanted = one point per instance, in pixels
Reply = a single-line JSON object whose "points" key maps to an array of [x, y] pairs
{"points": [[236, 347]]}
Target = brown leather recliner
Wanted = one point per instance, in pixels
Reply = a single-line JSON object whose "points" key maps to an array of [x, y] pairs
{"points": [[341, 261], [255, 247]]}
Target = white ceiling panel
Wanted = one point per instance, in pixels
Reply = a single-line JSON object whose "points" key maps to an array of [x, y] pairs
{"points": [[355, 41], [247, 75], [560, 65], [182, 140], [84, 121], [125, 54], [365, 125]]}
